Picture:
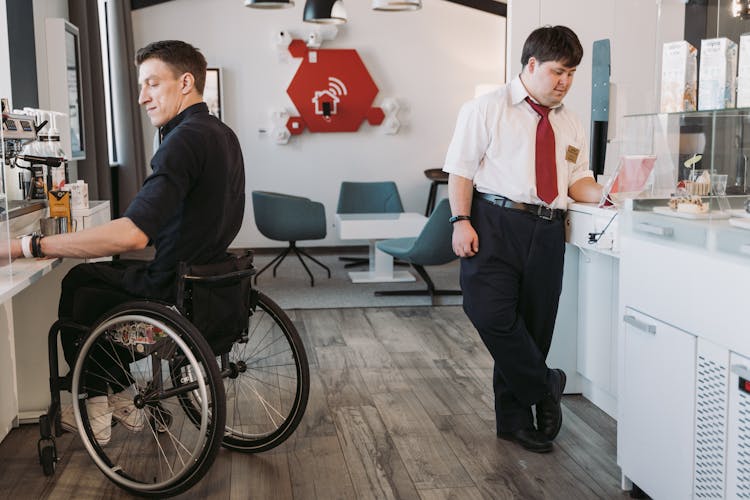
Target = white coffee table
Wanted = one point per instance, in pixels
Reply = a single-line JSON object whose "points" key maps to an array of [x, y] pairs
{"points": [[374, 227]]}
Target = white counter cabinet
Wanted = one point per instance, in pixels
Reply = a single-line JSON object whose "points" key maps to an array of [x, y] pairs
{"points": [[29, 294], [591, 275], [655, 397], [683, 351]]}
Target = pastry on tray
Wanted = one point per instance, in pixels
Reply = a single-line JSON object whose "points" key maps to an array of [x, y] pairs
{"points": [[700, 185], [688, 204]]}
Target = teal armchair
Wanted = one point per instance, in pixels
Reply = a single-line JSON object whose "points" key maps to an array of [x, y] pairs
{"points": [[284, 217], [367, 198], [433, 247]]}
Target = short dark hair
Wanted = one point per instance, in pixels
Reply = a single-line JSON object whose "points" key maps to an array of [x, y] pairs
{"points": [[180, 56], [553, 43]]}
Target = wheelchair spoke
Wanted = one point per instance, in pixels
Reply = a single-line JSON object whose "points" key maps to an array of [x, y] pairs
{"points": [[269, 384], [112, 379], [261, 340], [264, 368], [266, 406]]}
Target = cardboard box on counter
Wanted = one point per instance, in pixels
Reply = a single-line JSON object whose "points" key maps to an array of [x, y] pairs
{"points": [[718, 70], [679, 77], [743, 73]]}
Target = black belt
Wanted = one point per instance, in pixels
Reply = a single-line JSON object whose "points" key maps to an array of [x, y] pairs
{"points": [[538, 210]]}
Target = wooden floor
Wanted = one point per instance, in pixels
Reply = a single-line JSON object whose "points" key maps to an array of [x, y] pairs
{"points": [[400, 407]]}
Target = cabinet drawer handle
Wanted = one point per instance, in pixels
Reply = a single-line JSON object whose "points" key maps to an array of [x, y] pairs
{"points": [[741, 370], [645, 227], [641, 325]]}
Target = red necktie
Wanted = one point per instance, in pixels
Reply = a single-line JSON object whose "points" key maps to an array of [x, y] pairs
{"points": [[546, 165]]}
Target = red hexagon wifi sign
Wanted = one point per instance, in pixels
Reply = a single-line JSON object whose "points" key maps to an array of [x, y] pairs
{"points": [[332, 91]]}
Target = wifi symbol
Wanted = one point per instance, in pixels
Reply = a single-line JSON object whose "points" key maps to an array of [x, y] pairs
{"points": [[337, 86]]}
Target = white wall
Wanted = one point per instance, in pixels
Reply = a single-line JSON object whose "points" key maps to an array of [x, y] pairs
{"points": [[636, 29], [428, 64]]}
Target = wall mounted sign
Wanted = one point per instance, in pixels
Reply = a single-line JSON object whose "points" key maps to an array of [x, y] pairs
{"points": [[332, 91]]}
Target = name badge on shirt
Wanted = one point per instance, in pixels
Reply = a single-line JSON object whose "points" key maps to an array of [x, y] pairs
{"points": [[571, 154]]}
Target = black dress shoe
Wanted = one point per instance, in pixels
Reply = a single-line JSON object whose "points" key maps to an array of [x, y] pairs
{"points": [[531, 439], [548, 411]]}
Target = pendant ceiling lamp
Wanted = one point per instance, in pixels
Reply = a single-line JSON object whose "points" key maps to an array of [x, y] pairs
{"points": [[269, 4], [324, 12], [395, 5]]}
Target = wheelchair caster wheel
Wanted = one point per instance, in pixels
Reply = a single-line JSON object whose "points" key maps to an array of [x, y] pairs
{"points": [[48, 459]]}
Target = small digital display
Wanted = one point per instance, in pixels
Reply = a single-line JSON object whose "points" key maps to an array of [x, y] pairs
{"points": [[26, 126], [745, 385], [11, 125]]}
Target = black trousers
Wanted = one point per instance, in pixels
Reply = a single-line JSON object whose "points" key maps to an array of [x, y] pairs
{"points": [[511, 291], [88, 292]]}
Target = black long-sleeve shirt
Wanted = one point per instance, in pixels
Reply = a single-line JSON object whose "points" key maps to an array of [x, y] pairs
{"points": [[191, 206]]}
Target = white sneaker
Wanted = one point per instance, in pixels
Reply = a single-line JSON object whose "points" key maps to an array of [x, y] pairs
{"points": [[100, 418], [125, 412]]}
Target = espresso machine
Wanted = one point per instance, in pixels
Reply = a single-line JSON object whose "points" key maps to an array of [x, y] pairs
{"points": [[17, 131], [37, 155]]}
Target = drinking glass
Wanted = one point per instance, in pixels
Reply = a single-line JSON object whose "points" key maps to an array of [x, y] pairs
{"points": [[719, 184]]}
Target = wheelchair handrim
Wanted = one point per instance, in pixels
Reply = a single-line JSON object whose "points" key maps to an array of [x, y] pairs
{"points": [[113, 471]]}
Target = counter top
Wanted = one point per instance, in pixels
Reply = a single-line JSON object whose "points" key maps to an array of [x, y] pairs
{"points": [[22, 273], [592, 208], [585, 221]]}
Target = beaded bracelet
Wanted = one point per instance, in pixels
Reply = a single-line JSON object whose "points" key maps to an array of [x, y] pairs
{"points": [[36, 246]]}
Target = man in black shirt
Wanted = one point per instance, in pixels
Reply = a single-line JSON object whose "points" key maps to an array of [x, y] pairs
{"points": [[190, 208]]}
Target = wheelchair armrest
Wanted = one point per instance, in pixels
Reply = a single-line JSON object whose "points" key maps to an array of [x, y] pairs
{"points": [[244, 273]]}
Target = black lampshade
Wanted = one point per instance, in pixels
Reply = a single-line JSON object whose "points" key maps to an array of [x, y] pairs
{"points": [[324, 12], [269, 4]]}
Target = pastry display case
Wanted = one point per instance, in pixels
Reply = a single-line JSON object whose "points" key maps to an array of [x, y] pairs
{"points": [[717, 183]]}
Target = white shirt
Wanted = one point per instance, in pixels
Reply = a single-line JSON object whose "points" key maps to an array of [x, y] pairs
{"points": [[494, 144]]}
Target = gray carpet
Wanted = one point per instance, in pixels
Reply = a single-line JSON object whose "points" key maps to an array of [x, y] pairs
{"points": [[291, 287]]}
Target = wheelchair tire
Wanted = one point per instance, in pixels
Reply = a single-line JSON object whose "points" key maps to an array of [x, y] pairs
{"points": [[138, 350], [48, 460], [266, 381], [281, 357]]}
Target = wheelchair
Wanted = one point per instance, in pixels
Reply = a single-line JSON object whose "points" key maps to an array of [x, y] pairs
{"points": [[191, 394]]}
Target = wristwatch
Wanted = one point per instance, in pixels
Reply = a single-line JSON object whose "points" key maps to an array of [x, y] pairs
{"points": [[457, 218]]}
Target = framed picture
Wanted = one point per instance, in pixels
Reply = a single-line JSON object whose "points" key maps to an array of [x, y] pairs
{"points": [[212, 93]]}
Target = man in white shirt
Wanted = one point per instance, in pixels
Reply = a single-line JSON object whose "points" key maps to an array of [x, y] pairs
{"points": [[516, 156]]}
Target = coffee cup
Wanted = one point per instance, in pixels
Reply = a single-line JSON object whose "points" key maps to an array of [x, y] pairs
{"points": [[54, 225], [48, 226]]}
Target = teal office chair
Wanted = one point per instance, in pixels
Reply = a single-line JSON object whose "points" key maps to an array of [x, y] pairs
{"points": [[433, 247], [367, 198], [284, 217]]}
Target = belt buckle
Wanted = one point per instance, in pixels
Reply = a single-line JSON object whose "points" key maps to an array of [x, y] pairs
{"points": [[545, 213]]}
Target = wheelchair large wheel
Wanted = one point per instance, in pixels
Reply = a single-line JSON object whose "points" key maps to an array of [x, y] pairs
{"points": [[266, 380], [135, 354]]}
